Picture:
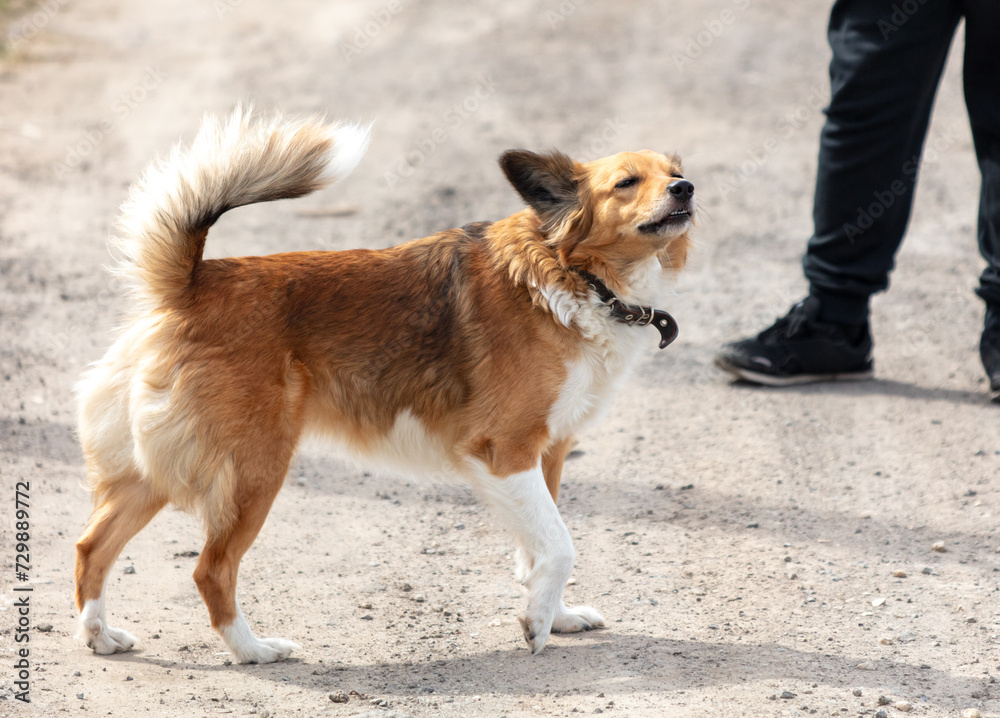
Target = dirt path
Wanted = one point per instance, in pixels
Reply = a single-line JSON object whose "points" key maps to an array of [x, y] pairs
{"points": [[745, 544]]}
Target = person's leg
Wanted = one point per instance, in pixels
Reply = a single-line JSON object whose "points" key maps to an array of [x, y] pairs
{"points": [[982, 96], [887, 61]]}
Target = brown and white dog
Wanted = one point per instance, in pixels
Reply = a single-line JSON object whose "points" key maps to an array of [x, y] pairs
{"points": [[477, 352]]}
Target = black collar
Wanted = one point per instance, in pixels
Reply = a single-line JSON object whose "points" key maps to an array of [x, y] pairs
{"points": [[632, 314]]}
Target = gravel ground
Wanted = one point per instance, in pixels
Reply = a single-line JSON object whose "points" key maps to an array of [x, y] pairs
{"points": [[757, 552]]}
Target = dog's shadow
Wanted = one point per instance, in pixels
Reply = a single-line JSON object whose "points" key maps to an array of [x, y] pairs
{"points": [[601, 662]]}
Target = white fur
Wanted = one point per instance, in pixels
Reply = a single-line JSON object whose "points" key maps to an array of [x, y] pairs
{"points": [[610, 351], [350, 142], [97, 634], [131, 420], [407, 449], [247, 648], [545, 552]]}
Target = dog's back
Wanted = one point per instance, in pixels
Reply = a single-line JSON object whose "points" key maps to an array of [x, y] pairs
{"points": [[478, 352]]}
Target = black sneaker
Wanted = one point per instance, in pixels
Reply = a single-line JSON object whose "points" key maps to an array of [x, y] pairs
{"points": [[989, 350], [799, 349]]}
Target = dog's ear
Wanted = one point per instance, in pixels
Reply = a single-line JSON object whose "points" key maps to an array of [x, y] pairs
{"points": [[546, 182]]}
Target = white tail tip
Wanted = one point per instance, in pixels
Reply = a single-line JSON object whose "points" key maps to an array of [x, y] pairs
{"points": [[349, 145]]}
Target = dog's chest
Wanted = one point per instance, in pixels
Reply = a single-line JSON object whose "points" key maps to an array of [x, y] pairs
{"points": [[593, 379]]}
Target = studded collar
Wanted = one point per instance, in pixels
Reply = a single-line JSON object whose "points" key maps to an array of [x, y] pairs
{"points": [[633, 314]]}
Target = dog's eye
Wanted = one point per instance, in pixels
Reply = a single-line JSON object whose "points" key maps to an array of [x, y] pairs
{"points": [[627, 182], [678, 176]]}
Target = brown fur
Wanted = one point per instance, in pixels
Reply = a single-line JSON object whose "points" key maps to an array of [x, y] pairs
{"points": [[236, 358]]}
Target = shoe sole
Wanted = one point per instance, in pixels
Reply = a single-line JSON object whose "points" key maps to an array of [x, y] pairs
{"points": [[769, 380]]}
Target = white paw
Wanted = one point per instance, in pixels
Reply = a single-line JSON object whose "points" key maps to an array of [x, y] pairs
{"points": [[265, 650], [576, 618], [105, 640], [536, 631]]}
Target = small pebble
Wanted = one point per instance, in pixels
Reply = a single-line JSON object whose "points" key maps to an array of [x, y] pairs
{"points": [[44, 627], [80, 696], [885, 641], [906, 637], [899, 574], [787, 695], [878, 601], [926, 571], [939, 547], [130, 569], [882, 701], [419, 598], [881, 714], [904, 706], [366, 606], [856, 691], [971, 713]]}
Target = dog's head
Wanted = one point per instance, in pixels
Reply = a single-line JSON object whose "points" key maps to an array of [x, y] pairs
{"points": [[610, 215]]}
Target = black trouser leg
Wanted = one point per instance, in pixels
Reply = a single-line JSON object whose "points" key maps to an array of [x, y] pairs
{"points": [[887, 60], [982, 96]]}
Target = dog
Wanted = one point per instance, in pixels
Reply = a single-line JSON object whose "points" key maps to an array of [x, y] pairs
{"points": [[477, 352]]}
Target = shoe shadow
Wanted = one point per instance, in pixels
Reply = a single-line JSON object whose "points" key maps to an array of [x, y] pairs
{"points": [[879, 387]]}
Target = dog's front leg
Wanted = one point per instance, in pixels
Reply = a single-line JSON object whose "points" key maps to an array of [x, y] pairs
{"points": [[545, 555]]}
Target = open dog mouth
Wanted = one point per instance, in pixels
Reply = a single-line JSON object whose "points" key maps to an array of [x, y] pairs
{"points": [[672, 218]]}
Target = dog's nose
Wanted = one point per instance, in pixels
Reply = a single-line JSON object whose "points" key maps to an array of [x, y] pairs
{"points": [[681, 189]]}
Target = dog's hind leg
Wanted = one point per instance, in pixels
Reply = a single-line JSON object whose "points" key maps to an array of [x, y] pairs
{"points": [[547, 550], [219, 565], [122, 511]]}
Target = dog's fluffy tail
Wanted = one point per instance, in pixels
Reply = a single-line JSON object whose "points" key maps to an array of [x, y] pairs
{"points": [[232, 162]]}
